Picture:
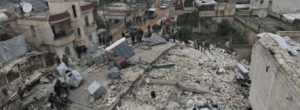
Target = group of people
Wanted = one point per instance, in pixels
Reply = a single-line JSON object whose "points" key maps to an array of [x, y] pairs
{"points": [[204, 45], [65, 60], [136, 34], [59, 88], [105, 40], [139, 19]]}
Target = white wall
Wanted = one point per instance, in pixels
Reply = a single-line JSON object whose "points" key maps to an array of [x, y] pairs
{"points": [[286, 6], [256, 4]]}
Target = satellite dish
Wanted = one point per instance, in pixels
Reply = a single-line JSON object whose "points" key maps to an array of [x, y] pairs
{"points": [[262, 13], [10, 7], [27, 7]]}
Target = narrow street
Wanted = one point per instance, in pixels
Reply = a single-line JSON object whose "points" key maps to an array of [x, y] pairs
{"points": [[161, 14]]}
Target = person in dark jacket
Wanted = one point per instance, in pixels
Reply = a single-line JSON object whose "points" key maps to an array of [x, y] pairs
{"points": [[207, 46], [144, 20], [20, 93], [123, 34], [65, 60], [57, 88], [174, 37], [132, 38], [51, 100], [100, 40], [78, 50], [57, 59], [84, 49], [111, 38]]}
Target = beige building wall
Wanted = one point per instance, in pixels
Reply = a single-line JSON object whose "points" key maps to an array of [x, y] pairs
{"points": [[270, 89]]}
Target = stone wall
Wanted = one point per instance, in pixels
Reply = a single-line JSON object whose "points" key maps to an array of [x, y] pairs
{"points": [[280, 17], [291, 34], [117, 27], [244, 50], [274, 76]]}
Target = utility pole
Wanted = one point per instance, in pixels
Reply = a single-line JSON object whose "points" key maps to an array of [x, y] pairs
{"points": [[106, 23]]}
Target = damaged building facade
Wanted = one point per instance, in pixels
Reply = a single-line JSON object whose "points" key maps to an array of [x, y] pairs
{"points": [[211, 12], [62, 27]]}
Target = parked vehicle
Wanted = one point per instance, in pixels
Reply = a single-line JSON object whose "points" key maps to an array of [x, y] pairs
{"points": [[152, 12], [164, 6]]}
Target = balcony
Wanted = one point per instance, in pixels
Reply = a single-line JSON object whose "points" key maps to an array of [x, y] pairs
{"points": [[87, 8], [58, 17], [75, 23], [91, 27], [207, 13], [63, 38]]}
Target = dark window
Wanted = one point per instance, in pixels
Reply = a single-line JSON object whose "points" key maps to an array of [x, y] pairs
{"points": [[86, 21], [188, 3], [53, 29], [67, 51], [74, 11], [79, 33], [207, 8]]}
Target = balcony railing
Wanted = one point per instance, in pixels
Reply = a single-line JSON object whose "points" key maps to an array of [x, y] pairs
{"points": [[62, 34], [90, 27], [64, 38], [90, 24]]}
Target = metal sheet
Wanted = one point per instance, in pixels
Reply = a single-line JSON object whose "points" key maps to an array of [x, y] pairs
{"points": [[124, 51], [96, 89], [156, 40]]}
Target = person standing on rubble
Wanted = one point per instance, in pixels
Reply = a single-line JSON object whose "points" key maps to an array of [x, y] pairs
{"points": [[57, 101], [139, 37], [207, 46], [196, 44], [27, 84], [132, 37], [20, 93], [57, 87], [51, 100], [84, 50], [65, 60], [111, 39], [202, 45], [78, 50], [57, 59]]}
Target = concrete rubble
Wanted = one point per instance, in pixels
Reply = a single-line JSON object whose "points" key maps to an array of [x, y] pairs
{"points": [[197, 79]]}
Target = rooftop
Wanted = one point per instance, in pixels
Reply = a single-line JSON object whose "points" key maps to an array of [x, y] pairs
{"points": [[273, 24], [286, 62]]}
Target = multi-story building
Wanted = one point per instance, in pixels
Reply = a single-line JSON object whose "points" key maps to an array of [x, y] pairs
{"points": [[211, 12], [67, 24]]}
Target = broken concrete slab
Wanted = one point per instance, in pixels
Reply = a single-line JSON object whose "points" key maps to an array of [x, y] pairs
{"points": [[133, 78], [163, 81], [210, 56], [44, 80], [195, 89]]}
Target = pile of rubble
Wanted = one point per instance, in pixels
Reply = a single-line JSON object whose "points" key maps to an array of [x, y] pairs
{"points": [[223, 86]]}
